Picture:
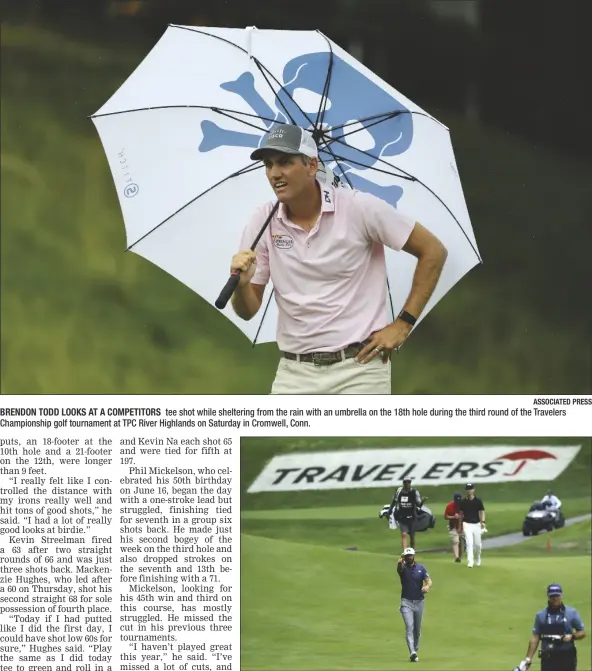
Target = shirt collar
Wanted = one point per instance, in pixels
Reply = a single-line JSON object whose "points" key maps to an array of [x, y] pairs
{"points": [[327, 198]]}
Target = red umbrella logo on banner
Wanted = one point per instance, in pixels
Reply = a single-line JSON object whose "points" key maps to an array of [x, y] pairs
{"points": [[523, 456]]}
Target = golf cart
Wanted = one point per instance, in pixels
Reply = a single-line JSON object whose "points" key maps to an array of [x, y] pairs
{"points": [[542, 517]]}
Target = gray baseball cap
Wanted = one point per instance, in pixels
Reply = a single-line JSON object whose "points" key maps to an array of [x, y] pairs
{"points": [[288, 139]]}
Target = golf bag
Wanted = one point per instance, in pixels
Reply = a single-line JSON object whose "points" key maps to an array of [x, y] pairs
{"points": [[384, 512], [424, 520]]}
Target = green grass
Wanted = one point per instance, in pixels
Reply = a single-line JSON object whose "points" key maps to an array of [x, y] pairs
{"points": [[80, 316], [360, 526], [310, 607], [575, 539], [308, 603]]}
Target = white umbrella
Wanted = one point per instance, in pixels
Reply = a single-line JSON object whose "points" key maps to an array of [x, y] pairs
{"points": [[179, 132]]}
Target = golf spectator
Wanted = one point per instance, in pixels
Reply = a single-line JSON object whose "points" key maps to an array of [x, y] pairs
{"points": [[405, 503], [551, 499], [473, 512], [453, 516], [415, 584], [556, 627], [324, 252]]}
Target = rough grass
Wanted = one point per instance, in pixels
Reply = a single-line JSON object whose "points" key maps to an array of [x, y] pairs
{"points": [[80, 316]]}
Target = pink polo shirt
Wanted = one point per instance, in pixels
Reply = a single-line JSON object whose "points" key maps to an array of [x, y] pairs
{"points": [[329, 283]]}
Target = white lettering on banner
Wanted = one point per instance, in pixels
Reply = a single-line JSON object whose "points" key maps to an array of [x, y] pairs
{"points": [[355, 469]]}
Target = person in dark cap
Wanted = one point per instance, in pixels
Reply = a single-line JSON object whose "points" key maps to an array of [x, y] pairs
{"points": [[556, 627], [473, 512], [453, 516], [405, 503]]}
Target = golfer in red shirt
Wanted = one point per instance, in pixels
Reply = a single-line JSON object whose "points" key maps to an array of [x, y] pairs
{"points": [[453, 516]]}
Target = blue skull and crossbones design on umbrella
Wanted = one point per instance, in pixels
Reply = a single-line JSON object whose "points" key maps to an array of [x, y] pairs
{"points": [[353, 104]]}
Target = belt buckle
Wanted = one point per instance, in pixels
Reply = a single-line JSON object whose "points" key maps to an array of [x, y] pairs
{"points": [[322, 358]]}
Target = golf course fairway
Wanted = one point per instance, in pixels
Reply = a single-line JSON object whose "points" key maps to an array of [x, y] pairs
{"points": [[311, 607], [320, 591]]}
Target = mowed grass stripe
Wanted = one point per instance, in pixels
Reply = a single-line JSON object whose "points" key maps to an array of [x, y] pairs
{"points": [[371, 512], [359, 526], [310, 607]]}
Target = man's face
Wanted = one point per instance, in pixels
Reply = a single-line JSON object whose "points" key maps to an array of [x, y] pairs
{"points": [[289, 174], [407, 485], [409, 559], [470, 492], [555, 601]]}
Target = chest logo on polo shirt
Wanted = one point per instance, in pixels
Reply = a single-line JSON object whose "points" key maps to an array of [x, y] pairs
{"points": [[283, 241]]}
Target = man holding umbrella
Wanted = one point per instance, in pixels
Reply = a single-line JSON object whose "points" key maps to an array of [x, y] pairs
{"points": [[324, 252]]}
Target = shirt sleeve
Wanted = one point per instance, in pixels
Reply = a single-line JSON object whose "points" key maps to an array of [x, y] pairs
{"points": [[481, 506], [250, 232], [417, 498], [382, 222], [537, 625], [576, 621]]}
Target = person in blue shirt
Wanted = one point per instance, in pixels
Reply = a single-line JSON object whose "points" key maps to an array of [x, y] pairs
{"points": [[415, 584], [556, 627]]}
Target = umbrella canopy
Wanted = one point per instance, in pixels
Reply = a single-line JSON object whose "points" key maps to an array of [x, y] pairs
{"points": [[179, 132]]}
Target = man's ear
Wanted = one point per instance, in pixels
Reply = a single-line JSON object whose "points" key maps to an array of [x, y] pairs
{"points": [[313, 165]]}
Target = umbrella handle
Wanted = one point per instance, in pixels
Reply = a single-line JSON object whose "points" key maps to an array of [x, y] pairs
{"points": [[232, 283], [228, 290]]}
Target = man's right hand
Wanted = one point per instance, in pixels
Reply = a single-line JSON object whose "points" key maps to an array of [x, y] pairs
{"points": [[246, 262]]}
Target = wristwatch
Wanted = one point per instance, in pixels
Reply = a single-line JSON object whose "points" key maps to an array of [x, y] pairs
{"points": [[407, 317]]}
